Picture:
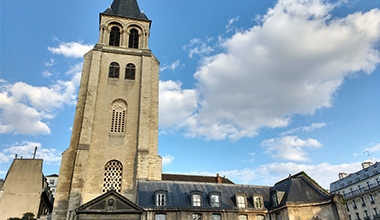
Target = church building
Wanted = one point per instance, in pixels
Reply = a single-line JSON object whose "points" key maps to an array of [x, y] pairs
{"points": [[112, 169]]}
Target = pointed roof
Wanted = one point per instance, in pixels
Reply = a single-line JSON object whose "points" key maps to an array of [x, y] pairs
{"points": [[127, 9]]}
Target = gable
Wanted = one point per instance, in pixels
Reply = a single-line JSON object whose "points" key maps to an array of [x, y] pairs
{"points": [[110, 202]]}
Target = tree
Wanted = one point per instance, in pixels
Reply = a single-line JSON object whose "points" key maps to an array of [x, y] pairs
{"points": [[25, 216]]}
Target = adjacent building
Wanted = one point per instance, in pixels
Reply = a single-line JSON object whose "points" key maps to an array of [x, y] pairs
{"points": [[52, 180], [25, 190], [361, 191]]}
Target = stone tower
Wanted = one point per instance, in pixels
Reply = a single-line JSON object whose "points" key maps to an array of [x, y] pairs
{"points": [[114, 137]]}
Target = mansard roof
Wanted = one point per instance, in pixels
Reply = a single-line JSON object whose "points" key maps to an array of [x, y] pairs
{"points": [[126, 9], [194, 178], [178, 194]]}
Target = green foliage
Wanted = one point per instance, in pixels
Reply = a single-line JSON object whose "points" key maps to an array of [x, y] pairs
{"points": [[25, 216]]}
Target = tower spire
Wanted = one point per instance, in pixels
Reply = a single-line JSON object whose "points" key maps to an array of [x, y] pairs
{"points": [[125, 8]]}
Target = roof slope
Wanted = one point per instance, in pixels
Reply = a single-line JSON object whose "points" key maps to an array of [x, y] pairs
{"points": [[125, 8], [194, 178], [178, 193], [300, 188]]}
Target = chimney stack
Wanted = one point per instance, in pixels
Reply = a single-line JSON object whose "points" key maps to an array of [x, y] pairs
{"points": [[218, 178]]}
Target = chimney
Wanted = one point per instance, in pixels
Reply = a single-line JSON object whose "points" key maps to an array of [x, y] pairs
{"points": [[366, 164], [218, 178], [342, 175]]}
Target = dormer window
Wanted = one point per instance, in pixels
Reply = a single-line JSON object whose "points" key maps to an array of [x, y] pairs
{"points": [[196, 199], [214, 199], [161, 198], [240, 201], [258, 202]]}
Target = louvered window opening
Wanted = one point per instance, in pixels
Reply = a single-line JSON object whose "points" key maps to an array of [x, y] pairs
{"points": [[118, 121], [133, 39], [113, 171], [114, 37]]}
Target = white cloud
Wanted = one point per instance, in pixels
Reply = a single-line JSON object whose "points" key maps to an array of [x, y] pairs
{"points": [[26, 150], [290, 147], [230, 22], [310, 128], [292, 63], [269, 174], [3, 158], [197, 46], [172, 66], [375, 148], [167, 159], [175, 104], [50, 63], [46, 73], [25, 108], [71, 49]]}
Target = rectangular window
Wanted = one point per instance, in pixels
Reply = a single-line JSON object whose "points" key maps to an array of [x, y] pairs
{"points": [[372, 199], [196, 200], [51, 182], [197, 216], [375, 211], [214, 200], [258, 203], [242, 217], [216, 217], [160, 199], [240, 201], [354, 204], [160, 217], [363, 203]]}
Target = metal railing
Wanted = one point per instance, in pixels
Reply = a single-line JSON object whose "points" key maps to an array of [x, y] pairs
{"points": [[361, 190]]}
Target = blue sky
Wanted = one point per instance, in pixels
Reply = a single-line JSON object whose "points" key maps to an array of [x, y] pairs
{"points": [[254, 91]]}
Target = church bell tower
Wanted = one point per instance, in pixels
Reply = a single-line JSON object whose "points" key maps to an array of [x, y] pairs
{"points": [[114, 137]]}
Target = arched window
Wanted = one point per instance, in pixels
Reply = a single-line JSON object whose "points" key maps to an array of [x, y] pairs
{"points": [[114, 70], [119, 109], [130, 71], [114, 36], [133, 38], [113, 172], [242, 217]]}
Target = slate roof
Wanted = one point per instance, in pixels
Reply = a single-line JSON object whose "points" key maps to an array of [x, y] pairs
{"points": [[178, 194], [300, 188], [126, 9], [194, 178]]}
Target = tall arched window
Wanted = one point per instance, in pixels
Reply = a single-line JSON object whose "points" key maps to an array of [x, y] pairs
{"points": [[114, 36], [133, 38], [114, 70], [130, 71], [119, 110], [113, 172]]}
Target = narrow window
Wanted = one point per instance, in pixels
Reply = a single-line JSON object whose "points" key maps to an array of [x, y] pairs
{"points": [[113, 171], [215, 200], [133, 39], [196, 200], [258, 203], [160, 199], [119, 109], [274, 200], [160, 217], [372, 199], [114, 36], [113, 70], [130, 71], [363, 203], [240, 201], [216, 217], [354, 204]]}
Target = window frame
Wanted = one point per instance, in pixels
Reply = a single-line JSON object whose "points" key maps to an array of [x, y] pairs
{"points": [[130, 71], [260, 201], [213, 215], [161, 198], [241, 201], [213, 203], [158, 216], [199, 215], [134, 38], [195, 202], [114, 36], [114, 70]]}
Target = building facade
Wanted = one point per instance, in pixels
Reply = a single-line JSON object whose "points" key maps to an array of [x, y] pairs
{"points": [[25, 190], [112, 169], [52, 180], [361, 191]]}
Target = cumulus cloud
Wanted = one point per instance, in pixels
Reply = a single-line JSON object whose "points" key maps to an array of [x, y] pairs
{"points": [[293, 62], [176, 104], [172, 66], [167, 159], [310, 128], [290, 148], [25, 108], [269, 174], [71, 49], [26, 150]]}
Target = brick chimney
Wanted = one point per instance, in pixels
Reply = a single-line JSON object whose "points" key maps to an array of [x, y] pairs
{"points": [[218, 178]]}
